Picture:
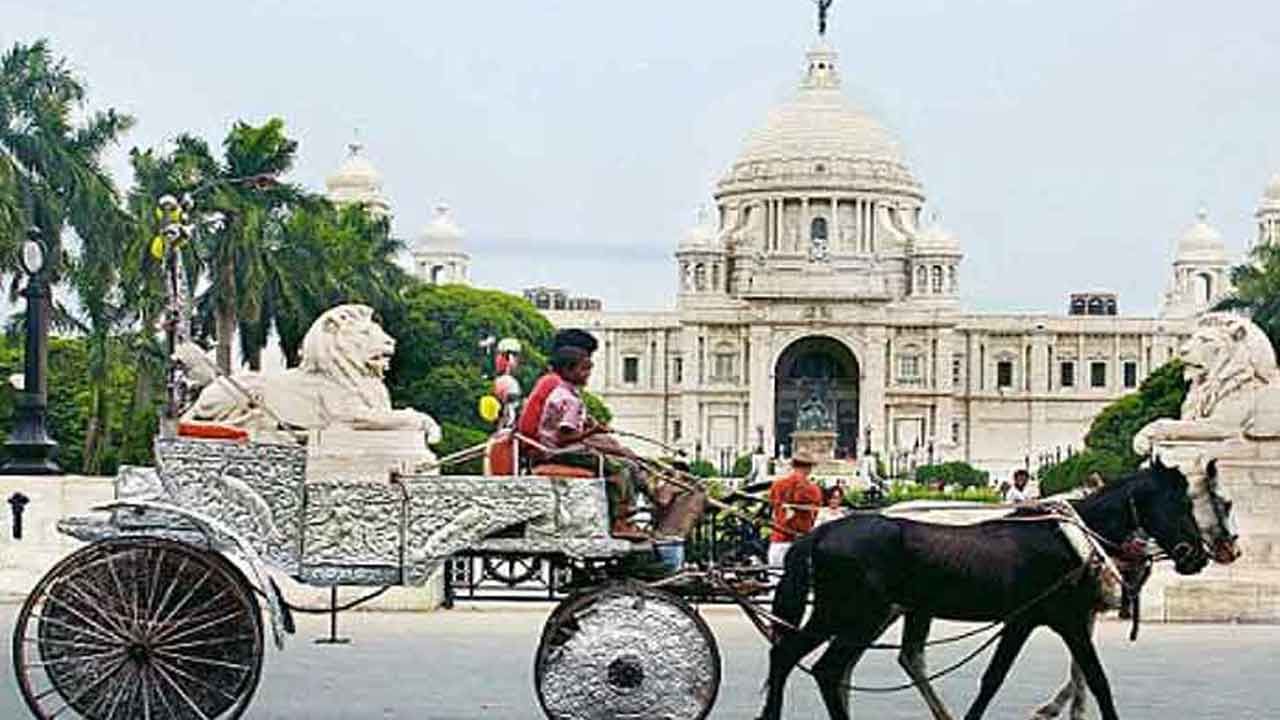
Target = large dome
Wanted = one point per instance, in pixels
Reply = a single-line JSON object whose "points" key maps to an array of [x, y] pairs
{"points": [[820, 137]]}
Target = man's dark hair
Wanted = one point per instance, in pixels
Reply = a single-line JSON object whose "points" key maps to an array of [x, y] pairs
{"points": [[573, 337], [564, 357], [1020, 473]]}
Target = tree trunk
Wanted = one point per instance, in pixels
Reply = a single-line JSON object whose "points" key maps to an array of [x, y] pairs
{"points": [[225, 314]]}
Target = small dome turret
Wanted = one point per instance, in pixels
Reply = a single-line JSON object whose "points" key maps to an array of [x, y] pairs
{"points": [[357, 182], [1201, 243], [438, 256]]}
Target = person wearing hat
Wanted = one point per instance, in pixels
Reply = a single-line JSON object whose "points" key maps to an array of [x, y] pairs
{"points": [[795, 500]]}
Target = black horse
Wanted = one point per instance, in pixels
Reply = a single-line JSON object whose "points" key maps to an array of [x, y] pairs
{"points": [[867, 570]]}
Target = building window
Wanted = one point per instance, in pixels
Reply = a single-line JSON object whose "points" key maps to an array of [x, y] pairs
{"points": [[1131, 374], [937, 280], [677, 429], [957, 370], [1004, 374], [1067, 374], [723, 369], [922, 280], [909, 368], [955, 433], [677, 371], [1097, 374], [631, 370]]}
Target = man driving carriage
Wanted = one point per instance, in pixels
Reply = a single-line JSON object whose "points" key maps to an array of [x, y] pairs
{"points": [[556, 415]]}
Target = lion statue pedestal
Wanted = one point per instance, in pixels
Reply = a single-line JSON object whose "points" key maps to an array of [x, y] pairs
{"points": [[336, 396], [1230, 419]]}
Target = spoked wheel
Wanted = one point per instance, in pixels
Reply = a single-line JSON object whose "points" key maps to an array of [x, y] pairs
{"points": [[626, 651], [139, 629], [512, 571]]}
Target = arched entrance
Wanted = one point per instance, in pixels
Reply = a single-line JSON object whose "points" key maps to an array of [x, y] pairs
{"points": [[821, 367]]}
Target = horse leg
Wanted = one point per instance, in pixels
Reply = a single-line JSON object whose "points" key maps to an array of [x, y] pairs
{"points": [[834, 670], [1072, 692], [915, 633], [782, 660], [1086, 656], [1011, 642], [1068, 693]]}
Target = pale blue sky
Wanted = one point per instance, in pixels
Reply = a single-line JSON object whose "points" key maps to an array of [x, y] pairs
{"points": [[1067, 144]]}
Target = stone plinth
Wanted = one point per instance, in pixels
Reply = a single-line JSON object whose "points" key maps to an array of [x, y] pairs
{"points": [[818, 444], [1248, 590]]}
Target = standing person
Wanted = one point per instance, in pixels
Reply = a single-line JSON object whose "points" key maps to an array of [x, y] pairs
{"points": [[795, 500], [1020, 492], [832, 505]]}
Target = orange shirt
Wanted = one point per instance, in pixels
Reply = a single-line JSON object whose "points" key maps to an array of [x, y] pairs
{"points": [[793, 489]]}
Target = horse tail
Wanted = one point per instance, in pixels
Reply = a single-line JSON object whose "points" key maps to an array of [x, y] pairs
{"points": [[792, 593]]}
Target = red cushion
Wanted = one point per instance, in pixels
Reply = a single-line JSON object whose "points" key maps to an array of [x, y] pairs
{"points": [[212, 431], [562, 471], [499, 456]]}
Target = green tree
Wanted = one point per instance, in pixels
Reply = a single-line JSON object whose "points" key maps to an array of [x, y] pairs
{"points": [[1257, 291], [438, 366], [1070, 473], [1159, 396], [51, 176]]}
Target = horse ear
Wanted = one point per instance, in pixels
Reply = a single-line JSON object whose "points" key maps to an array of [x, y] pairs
{"points": [[1211, 470]]}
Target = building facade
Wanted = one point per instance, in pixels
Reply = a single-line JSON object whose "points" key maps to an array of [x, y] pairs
{"points": [[816, 278]]}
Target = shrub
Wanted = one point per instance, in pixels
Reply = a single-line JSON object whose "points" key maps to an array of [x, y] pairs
{"points": [[456, 437], [703, 469], [952, 473], [903, 492], [1159, 396], [1070, 473], [741, 466]]}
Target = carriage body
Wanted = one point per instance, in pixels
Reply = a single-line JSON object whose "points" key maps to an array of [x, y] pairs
{"points": [[331, 530], [160, 615]]}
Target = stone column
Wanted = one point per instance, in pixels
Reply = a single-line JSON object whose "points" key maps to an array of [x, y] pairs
{"points": [[871, 388], [760, 384]]}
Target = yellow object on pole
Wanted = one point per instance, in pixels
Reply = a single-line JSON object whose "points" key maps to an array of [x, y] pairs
{"points": [[157, 247], [490, 408]]}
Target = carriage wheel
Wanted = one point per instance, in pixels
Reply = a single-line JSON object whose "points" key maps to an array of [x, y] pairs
{"points": [[512, 571], [626, 651], [141, 629]]}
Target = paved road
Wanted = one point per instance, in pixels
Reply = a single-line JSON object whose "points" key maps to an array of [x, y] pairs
{"points": [[475, 663]]}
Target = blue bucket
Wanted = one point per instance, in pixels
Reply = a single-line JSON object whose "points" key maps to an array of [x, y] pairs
{"points": [[671, 552]]}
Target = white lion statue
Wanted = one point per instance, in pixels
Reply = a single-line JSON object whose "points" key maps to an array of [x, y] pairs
{"points": [[339, 384], [1235, 386]]}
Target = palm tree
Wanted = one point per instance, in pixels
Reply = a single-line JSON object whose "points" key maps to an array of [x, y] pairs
{"points": [[51, 175], [52, 180], [1257, 291]]}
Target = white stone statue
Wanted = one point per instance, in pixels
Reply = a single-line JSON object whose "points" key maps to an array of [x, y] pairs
{"points": [[338, 386], [1235, 387]]}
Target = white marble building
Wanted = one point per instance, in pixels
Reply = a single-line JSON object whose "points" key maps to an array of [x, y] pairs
{"points": [[816, 263]]}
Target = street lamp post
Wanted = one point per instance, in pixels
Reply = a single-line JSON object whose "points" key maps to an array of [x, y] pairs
{"points": [[29, 446]]}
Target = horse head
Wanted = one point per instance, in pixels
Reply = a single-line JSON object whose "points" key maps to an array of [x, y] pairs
{"points": [[1212, 508], [1162, 507]]}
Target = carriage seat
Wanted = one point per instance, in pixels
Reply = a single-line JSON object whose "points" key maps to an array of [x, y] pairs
{"points": [[551, 469]]}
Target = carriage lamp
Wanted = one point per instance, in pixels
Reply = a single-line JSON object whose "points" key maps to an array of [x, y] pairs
{"points": [[29, 446]]}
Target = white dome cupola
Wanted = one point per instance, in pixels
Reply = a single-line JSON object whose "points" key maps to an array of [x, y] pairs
{"points": [[934, 267], [438, 255], [701, 259], [1200, 270], [357, 182]]}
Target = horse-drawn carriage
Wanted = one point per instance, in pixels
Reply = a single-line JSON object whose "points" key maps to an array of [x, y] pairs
{"points": [[159, 616]]}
